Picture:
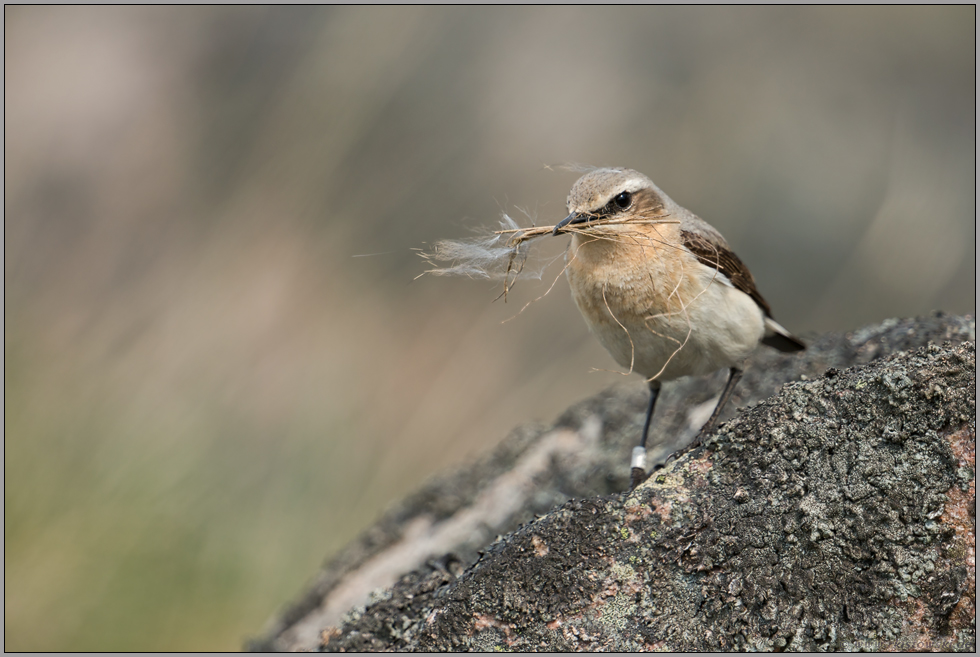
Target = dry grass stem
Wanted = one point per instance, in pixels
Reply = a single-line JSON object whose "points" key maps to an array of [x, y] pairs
{"points": [[502, 254], [630, 337]]}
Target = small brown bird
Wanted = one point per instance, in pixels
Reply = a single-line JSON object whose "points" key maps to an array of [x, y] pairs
{"points": [[661, 289]]}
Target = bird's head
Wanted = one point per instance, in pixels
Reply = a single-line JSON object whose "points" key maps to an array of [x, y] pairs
{"points": [[603, 195]]}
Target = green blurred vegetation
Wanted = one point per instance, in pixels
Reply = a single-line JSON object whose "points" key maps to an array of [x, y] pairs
{"points": [[206, 394]]}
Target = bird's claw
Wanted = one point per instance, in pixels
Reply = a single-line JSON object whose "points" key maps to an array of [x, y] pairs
{"points": [[637, 477]]}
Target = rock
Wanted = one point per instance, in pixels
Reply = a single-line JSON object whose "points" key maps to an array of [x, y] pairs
{"points": [[836, 513]]}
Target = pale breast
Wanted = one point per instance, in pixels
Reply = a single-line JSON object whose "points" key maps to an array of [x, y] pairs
{"points": [[656, 309]]}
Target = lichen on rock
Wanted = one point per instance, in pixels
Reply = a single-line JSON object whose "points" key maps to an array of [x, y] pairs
{"points": [[835, 514]]}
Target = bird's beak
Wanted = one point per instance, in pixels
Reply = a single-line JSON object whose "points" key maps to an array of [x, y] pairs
{"points": [[573, 218]]}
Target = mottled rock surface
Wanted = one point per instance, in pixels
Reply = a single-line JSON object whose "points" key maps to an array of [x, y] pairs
{"points": [[836, 513]]}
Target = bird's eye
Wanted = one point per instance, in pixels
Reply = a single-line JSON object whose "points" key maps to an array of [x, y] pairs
{"points": [[623, 200]]}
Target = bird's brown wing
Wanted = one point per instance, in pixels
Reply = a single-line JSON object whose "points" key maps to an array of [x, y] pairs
{"points": [[723, 260]]}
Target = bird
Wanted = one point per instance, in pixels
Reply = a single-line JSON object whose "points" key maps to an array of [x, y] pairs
{"points": [[661, 289]]}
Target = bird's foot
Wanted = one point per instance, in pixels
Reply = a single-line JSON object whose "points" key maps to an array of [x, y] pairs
{"points": [[638, 469], [637, 477]]}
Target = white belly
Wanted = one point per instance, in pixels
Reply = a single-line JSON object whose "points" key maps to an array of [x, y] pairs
{"points": [[643, 323], [719, 330]]}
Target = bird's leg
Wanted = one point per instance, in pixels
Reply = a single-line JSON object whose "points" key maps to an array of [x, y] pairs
{"points": [[733, 378], [726, 394], [638, 471]]}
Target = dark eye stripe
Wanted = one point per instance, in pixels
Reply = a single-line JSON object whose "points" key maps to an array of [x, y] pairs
{"points": [[620, 202]]}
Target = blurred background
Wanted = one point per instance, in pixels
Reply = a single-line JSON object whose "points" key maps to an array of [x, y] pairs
{"points": [[218, 364]]}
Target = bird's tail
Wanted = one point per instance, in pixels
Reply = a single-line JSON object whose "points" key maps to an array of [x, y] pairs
{"points": [[779, 338]]}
